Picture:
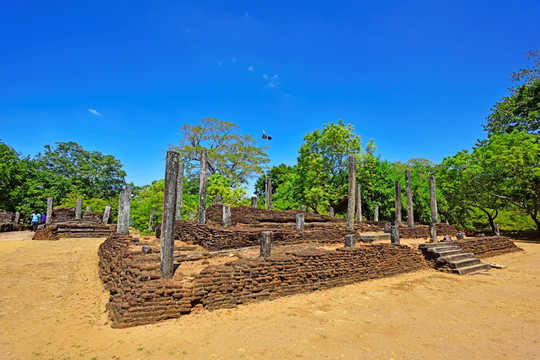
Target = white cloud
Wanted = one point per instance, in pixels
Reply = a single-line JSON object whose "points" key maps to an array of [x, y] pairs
{"points": [[95, 112], [272, 84], [251, 68]]}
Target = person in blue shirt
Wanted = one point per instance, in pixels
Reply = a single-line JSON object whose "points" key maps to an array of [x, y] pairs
{"points": [[36, 216]]}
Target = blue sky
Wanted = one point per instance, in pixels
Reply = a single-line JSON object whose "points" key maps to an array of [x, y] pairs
{"points": [[121, 77]]}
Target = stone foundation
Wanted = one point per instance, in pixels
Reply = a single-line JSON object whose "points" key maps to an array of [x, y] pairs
{"points": [[483, 247]]}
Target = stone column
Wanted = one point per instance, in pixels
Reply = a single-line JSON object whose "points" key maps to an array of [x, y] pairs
{"points": [[123, 211], [459, 235], [350, 241], [202, 189], [169, 210], [191, 215], [359, 202], [331, 212], [394, 234], [266, 239], [49, 210], [300, 221], [303, 208], [269, 193], [89, 208], [433, 232], [180, 191], [410, 214], [376, 213], [17, 217], [106, 214], [151, 220], [497, 231], [433, 199], [227, 215], [398, 202], [218, 200], [253, 202], [78, 210], [352, 188]]}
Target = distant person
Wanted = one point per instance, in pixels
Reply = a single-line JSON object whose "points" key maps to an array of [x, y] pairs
{"points": [[43, 218], [36, 216]]}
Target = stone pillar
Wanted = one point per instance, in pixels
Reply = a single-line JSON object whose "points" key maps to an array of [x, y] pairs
{"points": [[269, 193], [433, 232], [352, 188], [191, 215], [169, 210], [459, 235], [179, 191], [17, 217], [227, 215], [266, 239], [331, 212], [394, 234], [303, 208], [89, 208], [376, 213], [218, 200], [123, 211], [350, 241], [202, 189], [433, 199], [410, 214], [49, 211], [300, 221], [151, 220], [496, 231], [78, 210], [398, 203], [253, 202], [106, 214], [359, 202]]}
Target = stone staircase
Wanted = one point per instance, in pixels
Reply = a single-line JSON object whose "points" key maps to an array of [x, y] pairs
{"points": [[448, 256]]}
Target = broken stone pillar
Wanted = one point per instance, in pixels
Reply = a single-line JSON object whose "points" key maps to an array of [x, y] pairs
{"points": [[388, 227], [496, 231], [151, 220], [359, 202], [17, 217], [350, 241], [269, 193], [169, 210], [49, 210], [253, 202], [106, 214], [191, 215], [376, 213], [433, 199], [398, 202], [123, 211], [88, 208], [459, 235], [266, 239], [410, 214], [303, 208], [78, 210], [227, 215], [180, 191], [352, 195], [394, 234], [433, 232], [202, 188], [300, 221], [218, 200], [331, 212]]}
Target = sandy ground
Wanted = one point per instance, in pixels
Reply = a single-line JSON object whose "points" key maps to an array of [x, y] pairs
{"points": [[52, 306]]}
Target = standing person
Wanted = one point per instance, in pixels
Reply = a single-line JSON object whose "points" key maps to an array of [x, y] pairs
{"points": [[43, 218], [35, 220]]}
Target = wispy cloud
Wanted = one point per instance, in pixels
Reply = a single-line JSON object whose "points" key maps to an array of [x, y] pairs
{"points": [[251, 68], [233, 59], [272, 80], [95, 112]]}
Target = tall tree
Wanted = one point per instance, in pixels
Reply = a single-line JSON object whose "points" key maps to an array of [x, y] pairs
{"points": [[230, 153]]}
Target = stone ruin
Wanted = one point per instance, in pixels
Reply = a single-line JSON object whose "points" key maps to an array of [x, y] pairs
{"points": [[10, 222]]}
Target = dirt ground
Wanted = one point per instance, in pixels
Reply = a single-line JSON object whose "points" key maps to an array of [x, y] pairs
{"points": [[52, 306]]}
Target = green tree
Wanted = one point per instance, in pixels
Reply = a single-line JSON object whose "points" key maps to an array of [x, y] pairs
{"points": [[282, 177], [220, 185], [14, 171], [230, 153]]}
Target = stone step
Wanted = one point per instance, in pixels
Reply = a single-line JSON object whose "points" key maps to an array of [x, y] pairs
{"points": [[471, 269], [442, 248], [450, 252], [455, 257], [437, 245], [458, 264]]}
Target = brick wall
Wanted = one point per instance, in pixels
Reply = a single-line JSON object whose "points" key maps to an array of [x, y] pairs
{"points": [[483, 247]]}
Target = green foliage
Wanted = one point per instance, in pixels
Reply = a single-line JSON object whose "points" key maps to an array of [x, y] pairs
{"points": [[148, 198], [230, 153], [282, 177], [14, 171], [220, 185]]}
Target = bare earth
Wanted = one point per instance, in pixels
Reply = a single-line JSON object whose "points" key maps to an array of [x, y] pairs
{"points": [[52, 306]]}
